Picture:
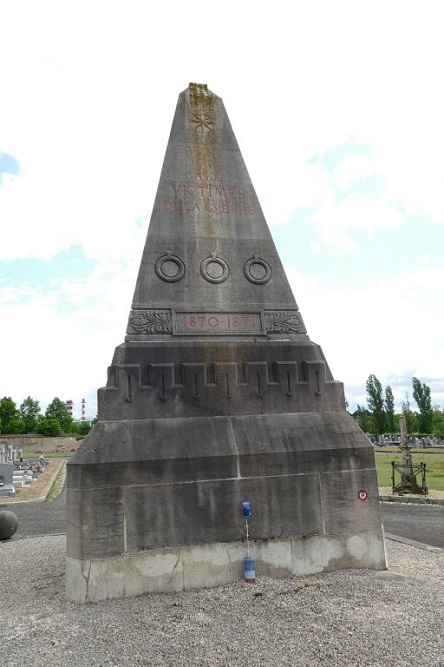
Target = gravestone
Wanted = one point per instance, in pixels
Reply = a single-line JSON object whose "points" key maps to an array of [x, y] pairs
{"points": [[217, 396], [7, 489]]}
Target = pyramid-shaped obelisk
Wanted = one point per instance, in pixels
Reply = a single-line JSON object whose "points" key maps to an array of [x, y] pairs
{"points": [[217, 396]]}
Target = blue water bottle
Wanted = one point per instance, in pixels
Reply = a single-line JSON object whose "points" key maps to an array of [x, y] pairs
{"points": [[246, 509], [249, 563], [249, 570]]}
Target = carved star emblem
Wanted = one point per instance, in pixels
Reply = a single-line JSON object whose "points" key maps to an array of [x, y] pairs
{"points": [[202, 121]]}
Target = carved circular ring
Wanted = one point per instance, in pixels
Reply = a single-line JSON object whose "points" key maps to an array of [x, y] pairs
{"points": [[169, 268], [214, 269], [257, 271]]}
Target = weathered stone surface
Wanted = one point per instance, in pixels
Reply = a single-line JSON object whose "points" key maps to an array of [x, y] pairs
{"points": [[216, 396], [216, 564]]}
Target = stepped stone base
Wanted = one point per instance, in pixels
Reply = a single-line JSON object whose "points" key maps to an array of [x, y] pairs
{"points": [[211, 565], [162, 510]]}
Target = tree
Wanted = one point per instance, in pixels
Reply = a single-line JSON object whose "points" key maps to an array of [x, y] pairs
{"points": [[438, 422], [389, 404], [421, 394], [363, 418], [375, 402], [30, 413], [10, 417], [57, 410], [82, 428], [411, 421], [48, 426]]}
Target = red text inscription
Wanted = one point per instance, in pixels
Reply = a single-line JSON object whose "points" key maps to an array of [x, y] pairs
{"points": [[209, 197], [209, 191], [221, 324]]}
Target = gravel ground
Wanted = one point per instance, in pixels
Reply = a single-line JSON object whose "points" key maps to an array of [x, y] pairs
{"points": [[354, 617]]}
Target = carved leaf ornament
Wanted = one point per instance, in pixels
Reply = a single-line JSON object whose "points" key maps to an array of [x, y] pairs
{"points": [[283, 321], [151, 321]]}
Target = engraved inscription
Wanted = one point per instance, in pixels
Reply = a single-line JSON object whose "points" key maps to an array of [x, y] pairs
{"points": [[221, 324], [283, 321], [208, 194], [151, 321]]}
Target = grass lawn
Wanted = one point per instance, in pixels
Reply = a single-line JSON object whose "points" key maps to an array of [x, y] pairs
{"points": [[384, 457], [31, 454], [434, 468]]}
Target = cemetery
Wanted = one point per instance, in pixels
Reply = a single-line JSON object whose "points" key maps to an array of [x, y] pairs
{"points": [[16, 474]]}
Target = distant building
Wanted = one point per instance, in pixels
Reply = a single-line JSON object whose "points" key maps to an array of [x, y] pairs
{"points": [[70, 407]]}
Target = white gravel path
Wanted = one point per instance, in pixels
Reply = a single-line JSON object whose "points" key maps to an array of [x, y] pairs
{"points": [[348, 618]]}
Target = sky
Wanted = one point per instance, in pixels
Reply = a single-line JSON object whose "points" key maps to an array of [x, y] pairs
{"points": [[338, 110]]}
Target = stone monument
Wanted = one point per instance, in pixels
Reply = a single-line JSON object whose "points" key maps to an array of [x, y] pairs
{"points": [[7, 489], [408, 472], [217, 396]]}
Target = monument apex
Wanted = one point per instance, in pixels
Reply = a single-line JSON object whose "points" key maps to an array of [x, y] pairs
{"points": [[216, 396], [208, 239]]}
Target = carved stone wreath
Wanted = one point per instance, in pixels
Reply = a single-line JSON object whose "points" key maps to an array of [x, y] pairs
{"points": [[214, 269], [151, 321], [257, 270], [283, 321], [169, 268]]}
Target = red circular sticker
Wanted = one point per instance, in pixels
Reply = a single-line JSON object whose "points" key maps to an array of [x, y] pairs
{"points": [[362, 494]]}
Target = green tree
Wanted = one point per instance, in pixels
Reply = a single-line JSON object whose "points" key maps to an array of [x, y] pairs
{"points": [[30, 413], [57, 410], [421, 394], [438, 422], [389, 405], [10, 417], [411, 421], [375, 400], [48, 426], [82, 428], [363, 418]]}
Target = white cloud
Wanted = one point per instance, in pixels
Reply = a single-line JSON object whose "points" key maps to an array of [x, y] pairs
{"points": [[336, 219], [392, 329], [63, 341], [88, 96]]}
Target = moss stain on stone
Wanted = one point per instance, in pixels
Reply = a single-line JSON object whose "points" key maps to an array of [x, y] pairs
{"points": [[206, 153]]}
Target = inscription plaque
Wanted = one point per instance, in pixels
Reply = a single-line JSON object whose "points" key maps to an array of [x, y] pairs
{"points": [[222, 324]]}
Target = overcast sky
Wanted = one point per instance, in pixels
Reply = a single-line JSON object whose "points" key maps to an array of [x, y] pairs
{"points": [[338, 110]]}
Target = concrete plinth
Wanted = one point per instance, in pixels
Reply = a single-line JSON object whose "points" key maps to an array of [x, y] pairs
{"points": [[208, 566]]}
